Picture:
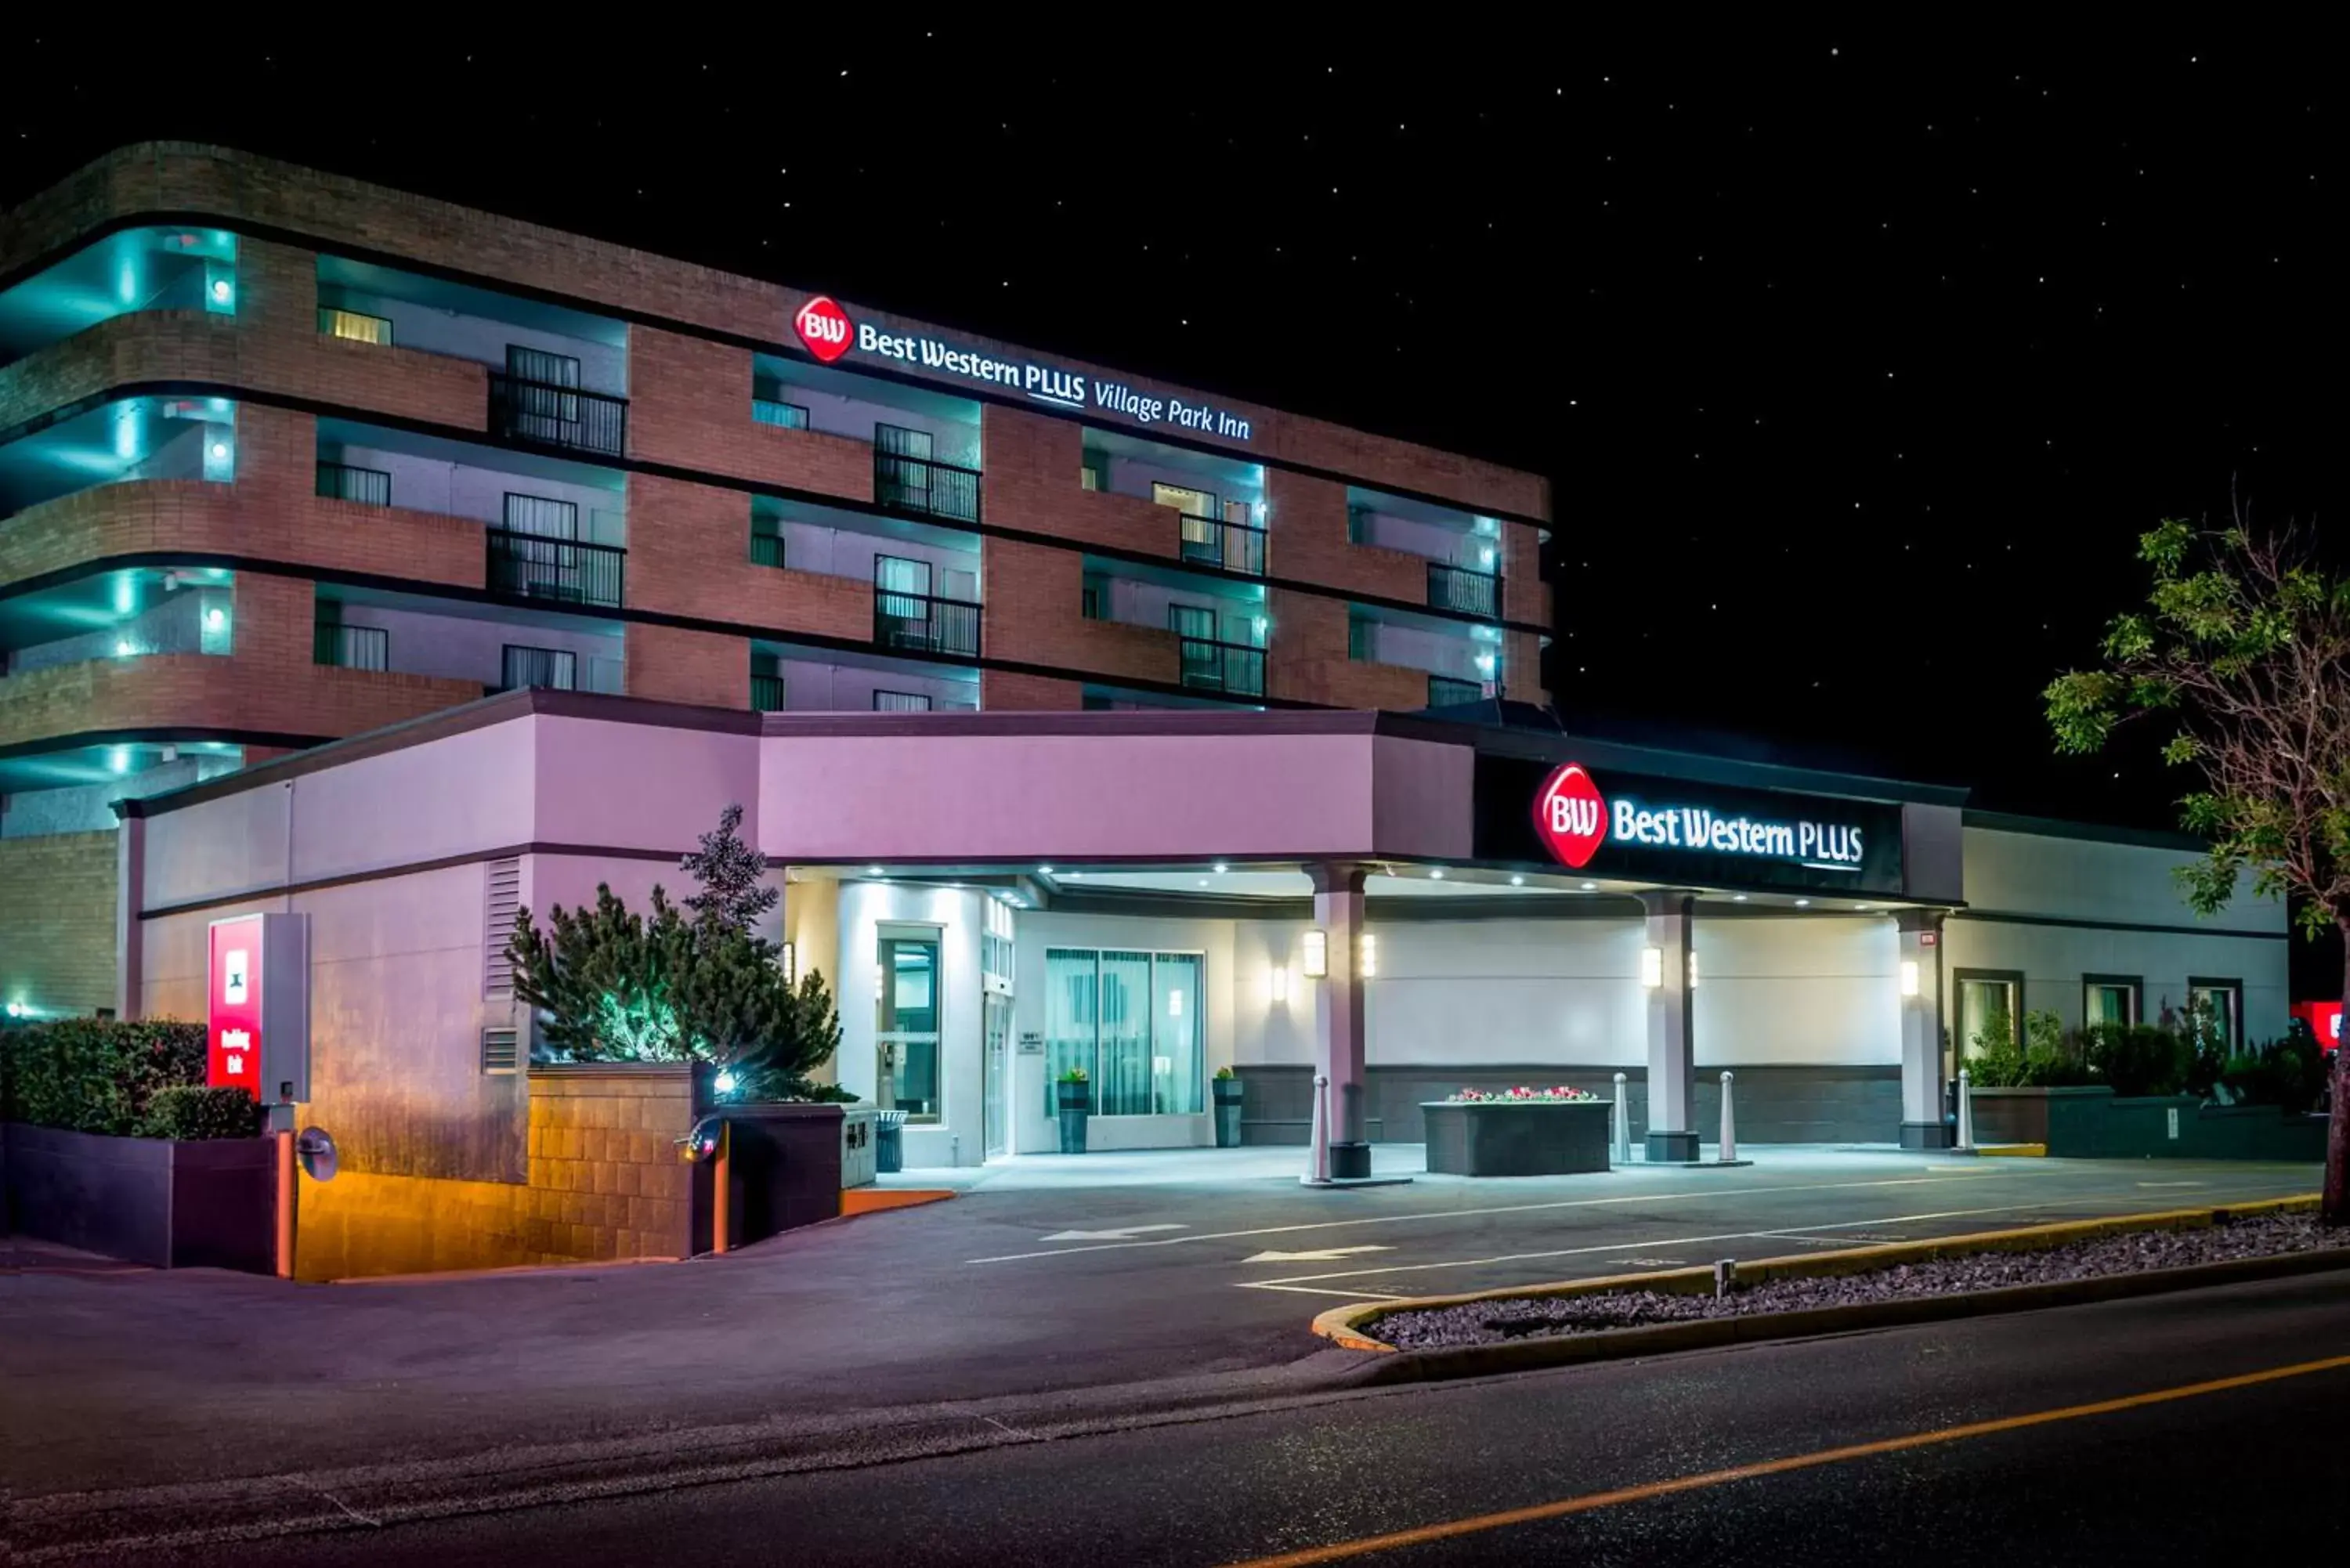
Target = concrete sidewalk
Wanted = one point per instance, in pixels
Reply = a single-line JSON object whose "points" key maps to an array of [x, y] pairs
{"points": [[1162, 1273]]}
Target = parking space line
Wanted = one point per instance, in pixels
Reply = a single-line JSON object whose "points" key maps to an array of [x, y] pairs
{"points": [[1677, 1195]]}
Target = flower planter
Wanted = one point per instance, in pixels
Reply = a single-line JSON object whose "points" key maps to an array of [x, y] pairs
{"points": [[1516, 1137], [157, 1202], [1229, 1093], [1073, 1101], [2092, 1123]]}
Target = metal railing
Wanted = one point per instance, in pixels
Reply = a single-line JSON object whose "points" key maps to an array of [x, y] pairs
{"points": [[925, 622], [925, 488], [1213, 542], [766, 693], [766, 549], [341, 481], [789, 416], [1458, 589], [539, 413], [569, 571], [1234, 669], [352, 646], [1445, 691]]}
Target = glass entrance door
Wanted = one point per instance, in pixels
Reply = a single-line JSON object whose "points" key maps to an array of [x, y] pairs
{"points": [[995, 1068], [905, 1026]]}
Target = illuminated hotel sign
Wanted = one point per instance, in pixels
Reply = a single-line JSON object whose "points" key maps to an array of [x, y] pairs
{"points": [[829, 333], [257, 1005], [1674, 832]]}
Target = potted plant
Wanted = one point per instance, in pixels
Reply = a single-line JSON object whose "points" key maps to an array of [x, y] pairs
{"points": [[1228, 1091], [1074, 1100]]}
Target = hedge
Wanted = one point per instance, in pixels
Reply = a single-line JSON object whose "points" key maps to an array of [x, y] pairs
{"points": [[190, 1112], [95, 1075]]}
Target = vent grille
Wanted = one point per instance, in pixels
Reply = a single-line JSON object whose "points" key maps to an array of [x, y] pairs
{"points": [[501, 898], [501, 1050]]}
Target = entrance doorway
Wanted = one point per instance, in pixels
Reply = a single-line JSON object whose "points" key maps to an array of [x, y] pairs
{"points": [[995, 1071]]}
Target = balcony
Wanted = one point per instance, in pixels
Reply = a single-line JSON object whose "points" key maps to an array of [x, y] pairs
{"points": [[1444, 692], [343, 481], [1234, 669], [925, 623], [560, 418], [564, 571], [924, 488], [766, 693], [1464, 592], [1227, 546]]}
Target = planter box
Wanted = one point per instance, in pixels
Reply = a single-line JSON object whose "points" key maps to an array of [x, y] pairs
{"points": [[148, 1201], [783, 1164], [1525, 1139], [2091, 1123]]}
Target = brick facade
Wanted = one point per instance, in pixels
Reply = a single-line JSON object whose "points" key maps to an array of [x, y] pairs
{"points": [[690, 407], [1002, 691], [64, 961], [1033, 483], [689, 554], [668, 664]]}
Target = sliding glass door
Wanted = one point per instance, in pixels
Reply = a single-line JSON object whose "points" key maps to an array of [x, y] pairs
{"points": [[1131, 1021]]}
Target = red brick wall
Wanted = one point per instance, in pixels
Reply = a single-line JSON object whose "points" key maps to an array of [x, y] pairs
{"points": [[1002, 691], [668, 664], [1522, 674], [62, 960], [689, 405], [1305, 540], [689, 554], [340, 211], [1308, 662], [1031, 484], [1525, 597]]}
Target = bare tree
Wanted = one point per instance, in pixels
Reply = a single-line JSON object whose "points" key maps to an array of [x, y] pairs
{"points": [[2243, 647]]}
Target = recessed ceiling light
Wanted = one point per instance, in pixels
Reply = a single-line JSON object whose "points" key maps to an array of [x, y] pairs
{"points": [[1044, 870], [875, 871], [1203, 882], [1222, 867], [1738, 897], [1076, 873], [1860, 905]]}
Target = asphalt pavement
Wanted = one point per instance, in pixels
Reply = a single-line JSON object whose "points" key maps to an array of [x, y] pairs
{"points": [[2077, 1436], [1132, 1282]]}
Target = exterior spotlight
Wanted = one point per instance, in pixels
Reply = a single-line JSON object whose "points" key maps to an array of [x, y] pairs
{"points": [[215, 619], [16, 1009], [1908, 977], [1652, 967], [725, 1082], [1044, 870], [1277, 983], [1802, 903], [1588, 886], [1314, 956]]}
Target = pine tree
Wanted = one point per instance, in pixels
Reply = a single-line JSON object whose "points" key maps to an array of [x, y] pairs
{"points": [[732, 895]]}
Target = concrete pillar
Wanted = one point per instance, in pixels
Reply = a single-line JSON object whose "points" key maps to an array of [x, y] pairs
{"points": [[130, 896], [1672, 1042], [1338, 1014], [1921, 1028]]}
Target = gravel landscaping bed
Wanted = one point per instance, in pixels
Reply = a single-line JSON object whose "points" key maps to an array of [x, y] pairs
{"points": [[1492, 1322]]}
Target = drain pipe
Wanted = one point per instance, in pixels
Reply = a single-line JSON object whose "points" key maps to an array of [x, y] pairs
{"points": [[1317, 1149], [1729, 1122], [1622, 1121]]}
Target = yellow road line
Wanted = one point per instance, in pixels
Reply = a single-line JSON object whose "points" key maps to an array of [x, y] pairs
{"points": [[1477, 1524]]}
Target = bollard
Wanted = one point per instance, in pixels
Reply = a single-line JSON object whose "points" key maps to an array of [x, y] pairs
{"points": [[1725, 1277], [287, 1187], [1623, 1121], [1966, 1111], [722, 1196], [1318, 1146], [1729, 1124]]}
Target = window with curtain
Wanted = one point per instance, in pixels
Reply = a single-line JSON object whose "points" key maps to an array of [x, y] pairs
{"points": [[556, 667], [2215, 1012], [901, 702], [1131, 1020], [1990, 1010], [2108, 999]]}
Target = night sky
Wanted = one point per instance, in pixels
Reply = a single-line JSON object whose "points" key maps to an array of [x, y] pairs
{"points": [[1857, 365]]}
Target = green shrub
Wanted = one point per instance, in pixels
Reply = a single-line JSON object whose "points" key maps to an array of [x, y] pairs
{"points": [[95, 1075], [2045, 1059], [196, 1111], [2137, 1059], [2289, 1074]]}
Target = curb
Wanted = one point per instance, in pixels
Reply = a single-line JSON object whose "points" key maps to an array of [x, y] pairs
{"points": [[1350, 1326]]}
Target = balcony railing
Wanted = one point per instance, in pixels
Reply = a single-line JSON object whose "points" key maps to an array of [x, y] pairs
{"points": [[1234, 669], [352, 646], [1211, 542], [539, 413], [766, 549], [925, 488], [789, 416], [341, 481], [569, 571], [925, 623], [766, 693], [1464, 592], [1444, 692]]}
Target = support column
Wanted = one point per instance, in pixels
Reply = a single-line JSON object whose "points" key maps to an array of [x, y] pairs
{"points": [[1920, 955], [1673, 1044], [1338, 1040], [130, 896]]}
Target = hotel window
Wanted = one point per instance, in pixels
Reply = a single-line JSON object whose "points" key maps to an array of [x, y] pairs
{"points": [[906, 1022], [2108, 999], [901, 702], [995, 948], [1359, 524], [555, 668], [1131, 1022], [1188, 502], [1990, 1004], [544, 368], [355, 326], [1094, 474], [2215, 1012], [1362, 639], [783, 415]]}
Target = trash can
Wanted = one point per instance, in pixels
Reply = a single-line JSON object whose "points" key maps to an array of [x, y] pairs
{"points": [[890, 1143]]}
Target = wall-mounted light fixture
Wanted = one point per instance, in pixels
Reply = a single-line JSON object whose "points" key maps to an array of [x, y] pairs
{"points": [[1277, 985], [1692, 968], [1652, 967], [791, 960], [1368, 956], [1908, 977], [1313, 954]]}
